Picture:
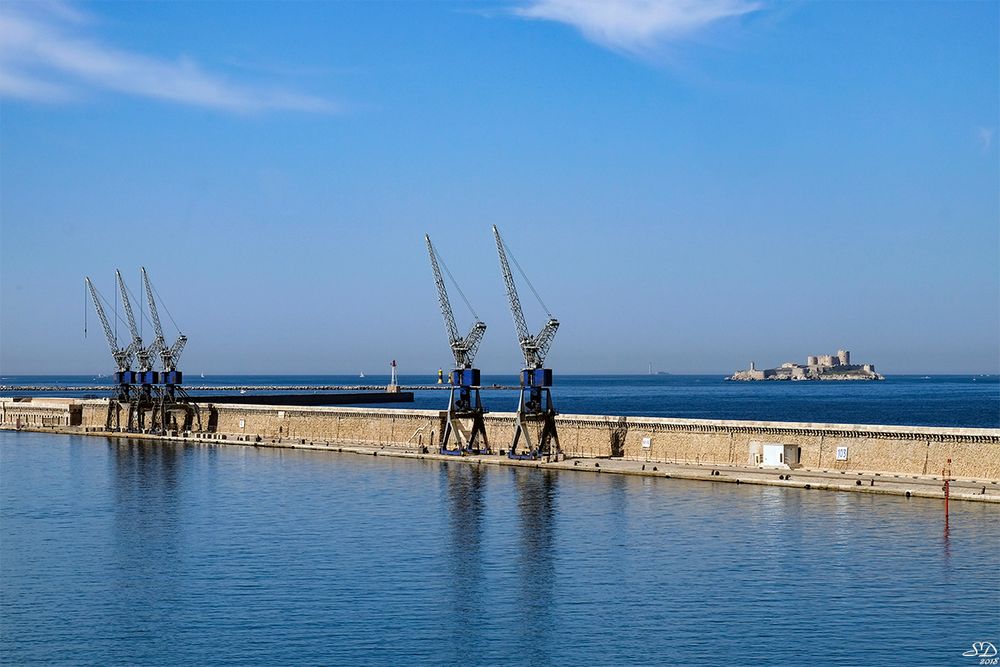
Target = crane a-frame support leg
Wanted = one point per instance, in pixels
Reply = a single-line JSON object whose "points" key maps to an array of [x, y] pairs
{"points": [[122, 397], [171, 399], [465, 406], [141, 402], [537, 409]]}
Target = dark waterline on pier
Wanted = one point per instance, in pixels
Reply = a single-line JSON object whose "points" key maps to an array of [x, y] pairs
{"points": [[152, 553]]}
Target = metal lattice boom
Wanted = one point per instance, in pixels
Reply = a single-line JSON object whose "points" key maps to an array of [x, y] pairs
{"points": [[143, 354], [168, 355], [534, 348], [463, 348], [121, 355]]}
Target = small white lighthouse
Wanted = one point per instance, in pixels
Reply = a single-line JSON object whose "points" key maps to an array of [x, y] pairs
{"points": [[393, 384]]}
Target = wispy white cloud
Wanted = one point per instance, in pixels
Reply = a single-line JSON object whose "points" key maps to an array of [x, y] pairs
{"points": [[636, 26], [48, 53], [985, 138]]}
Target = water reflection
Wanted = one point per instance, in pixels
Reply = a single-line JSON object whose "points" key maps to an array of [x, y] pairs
{"points": [[465, 567], [146, 502], [143, 564], [946, 543], [536, 492]]}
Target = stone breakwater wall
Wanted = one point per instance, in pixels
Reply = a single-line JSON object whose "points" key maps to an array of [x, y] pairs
{"points": [[910, 450], [48, 412]]}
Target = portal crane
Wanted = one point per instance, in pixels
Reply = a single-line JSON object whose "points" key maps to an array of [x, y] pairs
{"points": [[535, 403], [173, 400], [147, 377], [169, 356], [464, 403], [123, 356]]}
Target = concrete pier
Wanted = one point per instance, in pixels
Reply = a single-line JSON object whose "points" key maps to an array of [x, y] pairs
{"points": [[854, 457]]}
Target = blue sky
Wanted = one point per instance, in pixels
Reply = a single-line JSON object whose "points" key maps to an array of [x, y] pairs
{"points": [[689, 184]]}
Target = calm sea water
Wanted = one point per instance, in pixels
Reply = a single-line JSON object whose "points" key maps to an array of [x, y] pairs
{"points": [[940, 400], [123, 552]]}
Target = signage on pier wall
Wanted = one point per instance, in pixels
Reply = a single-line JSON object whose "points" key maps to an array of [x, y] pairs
{"points": [[841, 453]]}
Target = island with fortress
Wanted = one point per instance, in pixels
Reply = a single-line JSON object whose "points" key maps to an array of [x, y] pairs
{"points": [[817, 367]]}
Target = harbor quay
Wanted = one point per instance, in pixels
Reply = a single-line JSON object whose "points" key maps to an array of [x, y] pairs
{"points": [[880, 459]]}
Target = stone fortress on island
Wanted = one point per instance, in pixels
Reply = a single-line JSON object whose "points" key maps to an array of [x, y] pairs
{"points": [[817, 367]]}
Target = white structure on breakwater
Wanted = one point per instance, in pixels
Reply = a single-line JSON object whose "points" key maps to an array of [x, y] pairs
{"points": [[817, 367]]}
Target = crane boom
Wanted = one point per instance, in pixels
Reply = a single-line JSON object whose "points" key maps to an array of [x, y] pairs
{"points": [[122, 356], [168, 355], [464, 348], [534, 348], [143, 354], [515, 302], [543, 341], [159, 344], [128, 310], [445, 303], [175, 351], [471, 342]]}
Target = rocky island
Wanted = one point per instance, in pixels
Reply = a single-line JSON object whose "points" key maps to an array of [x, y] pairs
{"points": [[817, 367]]}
